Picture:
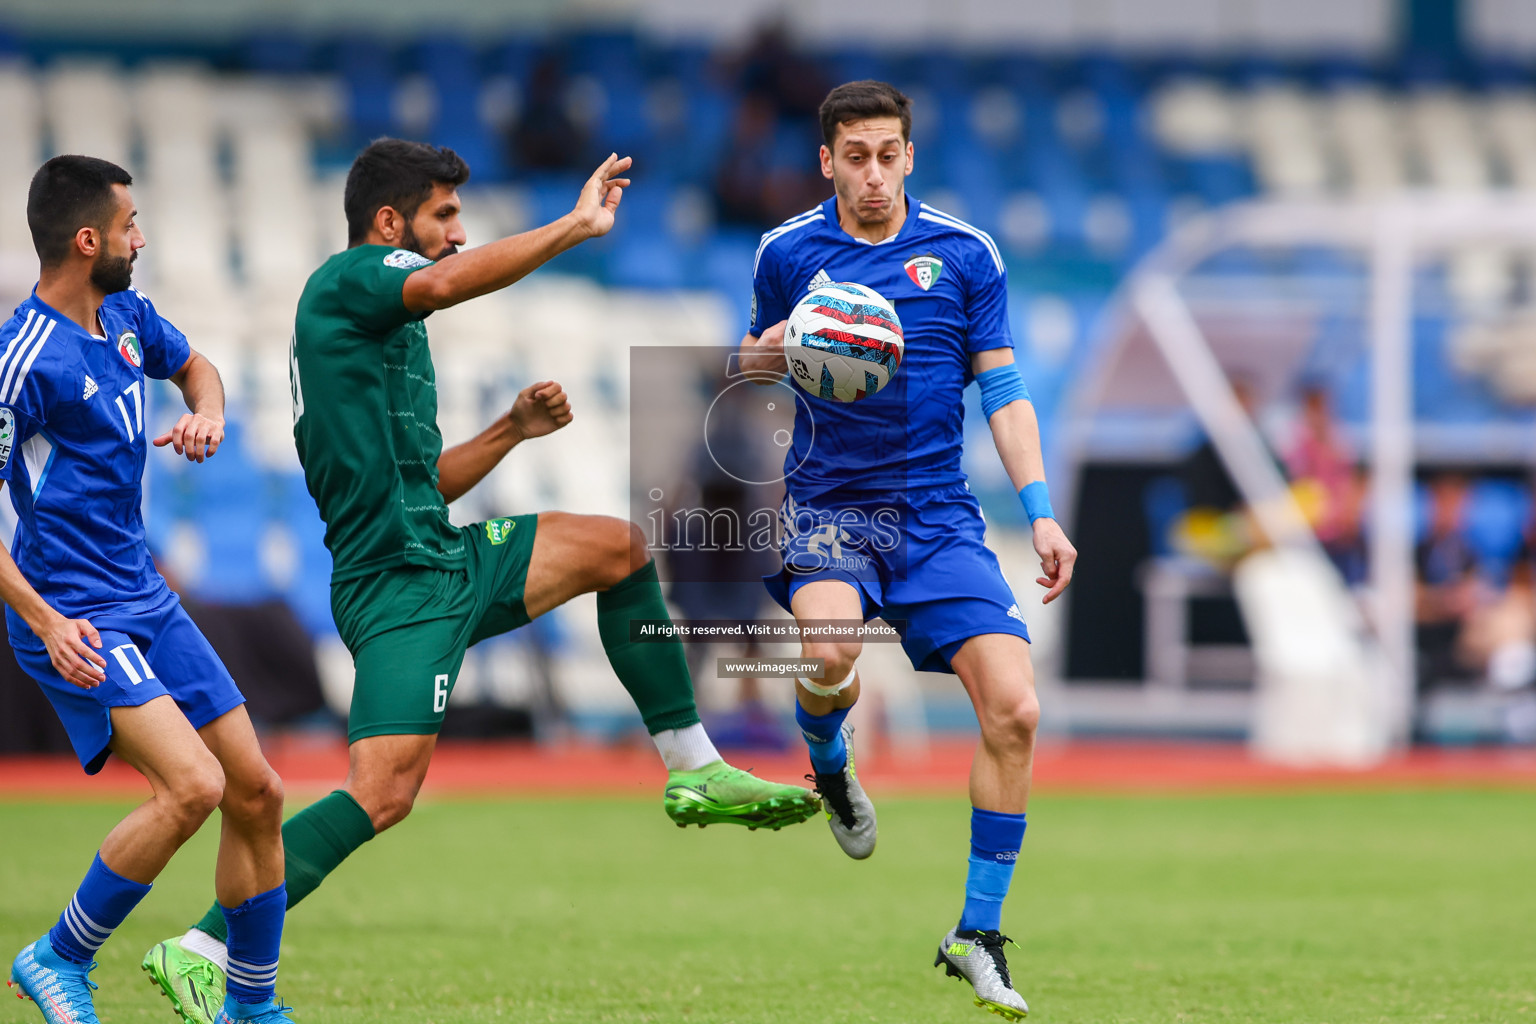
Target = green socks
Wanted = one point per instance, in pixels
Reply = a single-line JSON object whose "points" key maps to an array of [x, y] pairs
{"points": [[322, 835], [315, 841], [653, 671]]}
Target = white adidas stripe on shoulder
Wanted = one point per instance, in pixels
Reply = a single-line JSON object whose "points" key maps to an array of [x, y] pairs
{"points": [[928, 213], [32, 354], [21, 353], [810, 216], [18, 340]]}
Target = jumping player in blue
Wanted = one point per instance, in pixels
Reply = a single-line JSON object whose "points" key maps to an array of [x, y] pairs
{"points": [[878, 519], [92, 620]]}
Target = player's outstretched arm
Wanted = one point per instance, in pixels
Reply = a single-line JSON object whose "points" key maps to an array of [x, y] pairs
{"points": [[540, 409], [1016, 432], [493, 266], [198, 433], [762, 359], [69, 641]]}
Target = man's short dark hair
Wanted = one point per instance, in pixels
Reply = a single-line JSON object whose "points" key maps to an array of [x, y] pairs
{"points": [[69, 193], [860, 101], [399, 174]]}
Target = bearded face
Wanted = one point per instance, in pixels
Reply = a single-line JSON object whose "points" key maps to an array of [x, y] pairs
{"points": [[412, 241], [113, 272]]}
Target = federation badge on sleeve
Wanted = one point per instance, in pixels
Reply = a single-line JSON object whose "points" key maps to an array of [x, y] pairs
{"points": [[498, 530], [924, 270], [128, 348], [405, 259], [7, 434]]}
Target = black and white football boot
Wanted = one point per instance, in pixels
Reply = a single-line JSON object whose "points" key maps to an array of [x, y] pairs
{"points": [[978, 957], [850, 814]]}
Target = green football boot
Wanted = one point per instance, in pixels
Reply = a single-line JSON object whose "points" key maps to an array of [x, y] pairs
{"points": [[193, 983], [718, 794]]}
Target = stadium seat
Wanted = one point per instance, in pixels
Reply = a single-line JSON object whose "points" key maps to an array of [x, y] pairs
{"points": [[87, 106], [451, 65], [277, 53], [367, 71], [21, 120], [1163, 501], [1498, 511]]}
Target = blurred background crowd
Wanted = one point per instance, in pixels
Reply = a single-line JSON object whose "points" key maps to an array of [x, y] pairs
{"points": [[1085, 137]]}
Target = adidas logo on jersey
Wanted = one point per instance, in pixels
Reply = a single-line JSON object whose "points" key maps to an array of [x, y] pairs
{"points": [[821, 279], [1014, 613], [90, 388]]}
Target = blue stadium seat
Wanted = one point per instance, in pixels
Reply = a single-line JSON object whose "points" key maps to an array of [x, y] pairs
{"points": [[708, 121], [605, 54], [231, 540], [1440, 391], [967, 171], [725, 265], [278, 53], [624, 127], [1067, 201], [1342, 69], [1163, 501], [1497, 513], [513, 57], [857, 63], [452, 66], [1149, 217], [1221, 179], [309, 594], [646, 260], [367, 70]]}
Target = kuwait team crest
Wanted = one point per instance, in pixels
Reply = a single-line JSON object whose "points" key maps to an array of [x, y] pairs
{"points": [[924, 270], [128, 348]]}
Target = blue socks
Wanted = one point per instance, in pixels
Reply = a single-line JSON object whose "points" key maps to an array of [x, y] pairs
{"points": [[824, 735], [995, 842], [101, 903], [255, 932]]}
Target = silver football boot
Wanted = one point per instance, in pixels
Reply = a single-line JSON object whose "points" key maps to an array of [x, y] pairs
{"points": [[978, 958], [850, 814]]}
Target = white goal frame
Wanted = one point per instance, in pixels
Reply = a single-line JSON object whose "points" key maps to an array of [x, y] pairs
{"points": [[1391, 234]]}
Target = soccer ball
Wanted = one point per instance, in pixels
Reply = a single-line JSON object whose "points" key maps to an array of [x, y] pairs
{"points": [[843, 342]]}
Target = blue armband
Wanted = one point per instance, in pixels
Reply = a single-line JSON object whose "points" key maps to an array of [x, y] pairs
{"points": [[1037, 501], [999, 386]]}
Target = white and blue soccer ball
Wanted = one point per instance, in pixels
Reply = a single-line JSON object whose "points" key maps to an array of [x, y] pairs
{"points": [[843, 342]]}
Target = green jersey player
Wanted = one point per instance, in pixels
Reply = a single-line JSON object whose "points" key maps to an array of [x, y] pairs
{"points": [[410, 591]]}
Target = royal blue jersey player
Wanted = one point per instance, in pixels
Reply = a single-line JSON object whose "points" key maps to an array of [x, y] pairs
{"points": [[93, 621], [878, 519]]}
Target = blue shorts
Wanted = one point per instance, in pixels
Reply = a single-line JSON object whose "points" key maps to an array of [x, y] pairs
{"points": [[918, 561], [148, 653]]}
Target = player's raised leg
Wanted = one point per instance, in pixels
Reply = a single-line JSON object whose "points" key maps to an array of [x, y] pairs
{"points": [[251, 896], [821, 709], [995, 669], [574, 554], [186, 784]]}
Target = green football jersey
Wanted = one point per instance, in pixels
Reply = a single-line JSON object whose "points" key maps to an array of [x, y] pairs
{"points": [[365, 415]]}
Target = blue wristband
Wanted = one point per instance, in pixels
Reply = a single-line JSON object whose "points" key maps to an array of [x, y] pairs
{"points": [[999, 386], [1037, 501]]}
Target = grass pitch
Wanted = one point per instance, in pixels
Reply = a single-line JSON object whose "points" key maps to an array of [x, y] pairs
{"points": [[1338, 908]]}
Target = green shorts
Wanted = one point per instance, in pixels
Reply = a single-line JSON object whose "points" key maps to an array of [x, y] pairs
{"points": [[408, 628]]}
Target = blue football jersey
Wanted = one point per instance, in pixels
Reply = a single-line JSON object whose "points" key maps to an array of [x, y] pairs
{"points": [[72, 449], [948, 284]]}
